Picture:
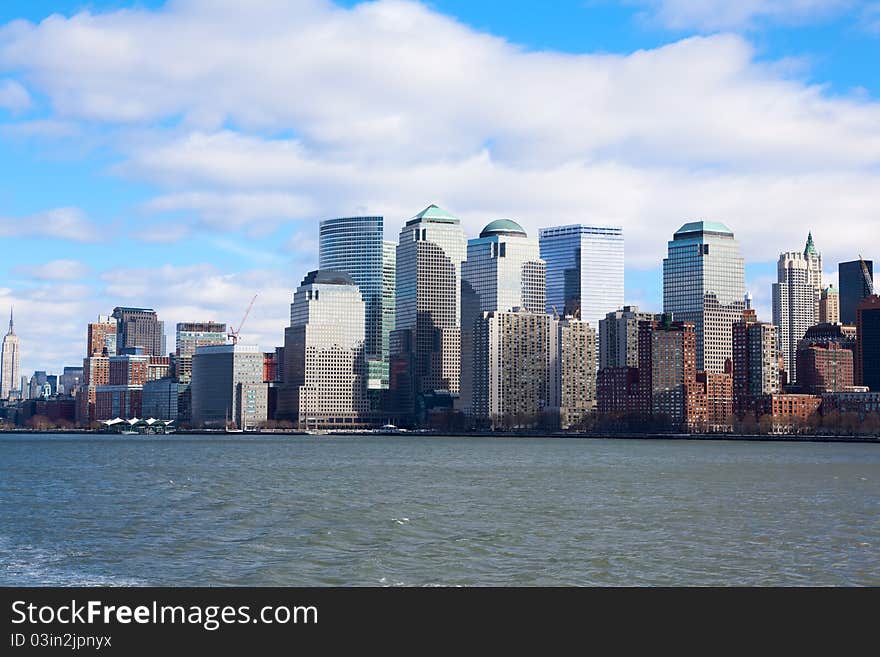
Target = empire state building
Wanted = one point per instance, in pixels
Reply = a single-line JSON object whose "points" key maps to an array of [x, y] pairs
{"points": [[10, 362]]}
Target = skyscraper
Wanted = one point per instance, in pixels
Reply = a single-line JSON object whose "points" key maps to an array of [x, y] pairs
{"points": [[10, 362], [504, 269], [868, 343], [426, 342], [853, 288], [704, 283], [584, 270], [796, 300], [503, 272], [355, 245], [814, 272], [324, 380], [139, 327]]}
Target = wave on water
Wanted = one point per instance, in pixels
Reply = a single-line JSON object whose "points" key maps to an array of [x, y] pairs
{"points": [[28, 565]]}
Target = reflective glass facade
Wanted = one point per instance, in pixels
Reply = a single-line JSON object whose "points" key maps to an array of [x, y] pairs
{"points": [[704, 283], [584, 269], [853, 288], [355, 245]]}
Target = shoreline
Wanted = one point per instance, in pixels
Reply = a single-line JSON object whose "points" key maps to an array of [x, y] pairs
{"points": [[791, 438]]}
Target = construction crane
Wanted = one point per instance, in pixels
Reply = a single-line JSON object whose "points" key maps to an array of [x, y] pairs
{"points": [[234, 333], [869, 283]]}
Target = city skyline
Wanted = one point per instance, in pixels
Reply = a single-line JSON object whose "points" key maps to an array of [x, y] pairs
{"points": [[767, 316], [192, 198]]}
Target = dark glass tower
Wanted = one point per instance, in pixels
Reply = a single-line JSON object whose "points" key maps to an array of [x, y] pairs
{"points": [[853, 288]]}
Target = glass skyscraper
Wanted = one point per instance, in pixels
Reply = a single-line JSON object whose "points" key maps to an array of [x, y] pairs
{"points": [[704, 283], [584, 270], [355, 245], [853, 288]]}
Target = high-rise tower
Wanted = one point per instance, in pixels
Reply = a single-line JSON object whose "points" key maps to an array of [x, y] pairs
{"points": [[704, 283], [10, 362], [584, 270], [139, 327], [503, 272], [796, 300], [324, 382], [426, 342], [355, 245]]}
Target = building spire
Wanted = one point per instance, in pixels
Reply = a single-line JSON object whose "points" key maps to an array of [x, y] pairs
{"points": [[810, 248], [11, 327]]}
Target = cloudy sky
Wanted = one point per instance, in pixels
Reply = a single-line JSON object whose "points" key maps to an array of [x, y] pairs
{"points": [[179, 154]]}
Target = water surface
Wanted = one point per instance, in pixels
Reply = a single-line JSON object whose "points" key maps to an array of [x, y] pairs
{"points": [[387, 510]]}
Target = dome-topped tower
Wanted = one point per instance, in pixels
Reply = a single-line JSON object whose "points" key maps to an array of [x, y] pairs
{"points": [[503, 227]]}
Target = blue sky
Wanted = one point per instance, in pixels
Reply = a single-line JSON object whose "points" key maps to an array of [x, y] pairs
{"points": [[180, 155]]}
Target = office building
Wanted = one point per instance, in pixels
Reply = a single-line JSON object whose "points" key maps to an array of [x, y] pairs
{"points": [[139, 327], [796, 301], [324, 380], [355, 245], [38, 384], [867, 370], [10, 363], [854, 286], [161, 399], [619, 336], [70, 380], [704, 284], [503, 272], [190, 336], [122, 395], [101, 340], [829, 306], [426, 342], [96, 372], [584, 270], [227, 387]]}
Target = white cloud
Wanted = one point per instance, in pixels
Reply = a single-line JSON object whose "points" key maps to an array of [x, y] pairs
{"points": [[13, 96], [725, 14], [246, 116], [56, 270], [60, 223], [162, 233]]}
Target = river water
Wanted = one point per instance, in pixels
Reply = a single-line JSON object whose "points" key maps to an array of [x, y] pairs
{"points": [[408, 510]]}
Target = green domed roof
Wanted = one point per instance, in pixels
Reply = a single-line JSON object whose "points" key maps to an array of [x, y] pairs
{"points": [[704, 227], [503, 227]]}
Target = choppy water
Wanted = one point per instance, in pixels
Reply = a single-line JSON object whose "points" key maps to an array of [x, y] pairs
{"points": [[192, 510]]}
